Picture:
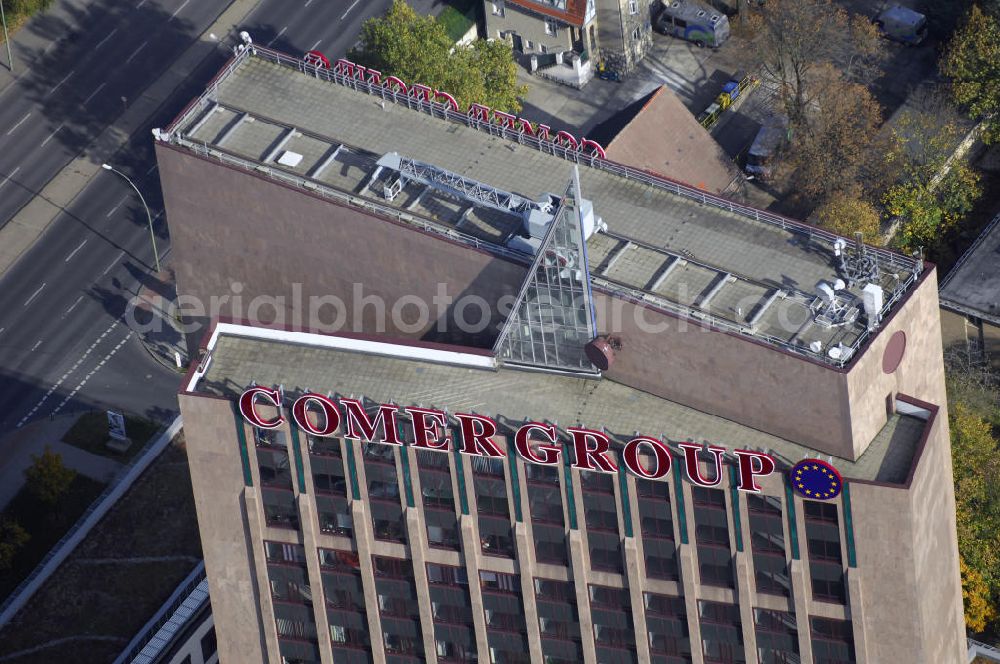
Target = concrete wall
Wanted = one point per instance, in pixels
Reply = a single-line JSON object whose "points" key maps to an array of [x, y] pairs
{"points": [[231, 226], [920, 374], [217, 480], [908, 562], [728, 376]]}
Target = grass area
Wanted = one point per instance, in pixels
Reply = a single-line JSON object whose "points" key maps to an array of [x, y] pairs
{"points": [[108, 588], [455, 22], [90, 433], [45, 525]]}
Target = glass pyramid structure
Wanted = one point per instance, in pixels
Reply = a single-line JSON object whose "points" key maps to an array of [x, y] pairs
{"points": [[553, 318]]}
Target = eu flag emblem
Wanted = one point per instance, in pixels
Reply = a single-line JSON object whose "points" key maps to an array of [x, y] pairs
{"points": [[816, 479]]}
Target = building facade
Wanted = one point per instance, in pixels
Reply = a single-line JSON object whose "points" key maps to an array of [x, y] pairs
{"points": [[645, 308], [615, 32]]}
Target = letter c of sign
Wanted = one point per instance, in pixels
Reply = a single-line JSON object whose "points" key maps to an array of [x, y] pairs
{"points": [[248, 407]]}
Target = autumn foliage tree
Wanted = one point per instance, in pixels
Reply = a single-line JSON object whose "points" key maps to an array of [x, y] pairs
{"points": [[796, 38], [977, 507], [417, 49], [846, 215], [47, 479], [972, 64], [929, 191], [836, 146]]}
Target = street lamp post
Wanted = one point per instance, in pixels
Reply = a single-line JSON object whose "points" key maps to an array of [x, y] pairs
{"points": [[152, 236], [6, 39]]}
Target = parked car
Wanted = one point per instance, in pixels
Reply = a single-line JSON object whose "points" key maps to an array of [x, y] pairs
{"points": [[693, 21], [763, 151], [902, 24]]}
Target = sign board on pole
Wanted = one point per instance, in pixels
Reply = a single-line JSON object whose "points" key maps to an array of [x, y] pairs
{"points": [[116, 425]]}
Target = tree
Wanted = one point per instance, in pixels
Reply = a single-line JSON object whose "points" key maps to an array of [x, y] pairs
{"points": [[847, 215], [979, 612], [977, 510], [417, 49], [12, 538], [47, 478], [972, 63], [799, 36], [931, 191], [835, 148]]}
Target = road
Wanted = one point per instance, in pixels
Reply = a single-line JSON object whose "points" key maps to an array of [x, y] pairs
{"points": [[63, 343]]}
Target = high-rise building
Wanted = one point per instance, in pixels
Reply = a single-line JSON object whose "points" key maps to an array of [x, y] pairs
{"points": [[677, 429]]}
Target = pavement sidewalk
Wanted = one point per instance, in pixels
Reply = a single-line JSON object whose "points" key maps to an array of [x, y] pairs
{"points": [[20, 233]]}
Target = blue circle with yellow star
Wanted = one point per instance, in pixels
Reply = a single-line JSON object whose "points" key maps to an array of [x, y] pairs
{"points": [[816, 479]]}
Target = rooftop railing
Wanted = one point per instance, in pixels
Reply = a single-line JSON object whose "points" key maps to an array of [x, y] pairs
{"points": [[887, 259]]}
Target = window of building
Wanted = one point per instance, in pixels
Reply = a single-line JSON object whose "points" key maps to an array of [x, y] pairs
{"points": [[280, 552], [633, 7], [657, 527], [298, 652], [451, 609], [274, 468], [768, 544], [398, 607], [721, 633], [666, 622], [269, 437], [601, 515], [826, 569], [383, 492], [712, 536], [279, 507], [295, 621], [324, 446], [558, 620], [344, 597], [289, 584], [528, 45], [506, 632], [832, 641], [614, 634], [635, 34], [328, 474], [545, 505], [777, 637], [439, 499], [498, 8], [495, 534], [551, 27]]}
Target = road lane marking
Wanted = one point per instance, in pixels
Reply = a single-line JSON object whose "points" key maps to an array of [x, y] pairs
{"points": [[34, 295], [313, 47], [99, 88], [2, 329], [35, 347], [19, 123], [353, 4], [73, 253], [65, 78], [52, 135], [70, 372], [275, 38], [110, 35], [178, 10], [139, 6], [136, 51], [9, 177], [308, 2], [115, 208], [151, 169], [73, 306], [113, 263]]}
